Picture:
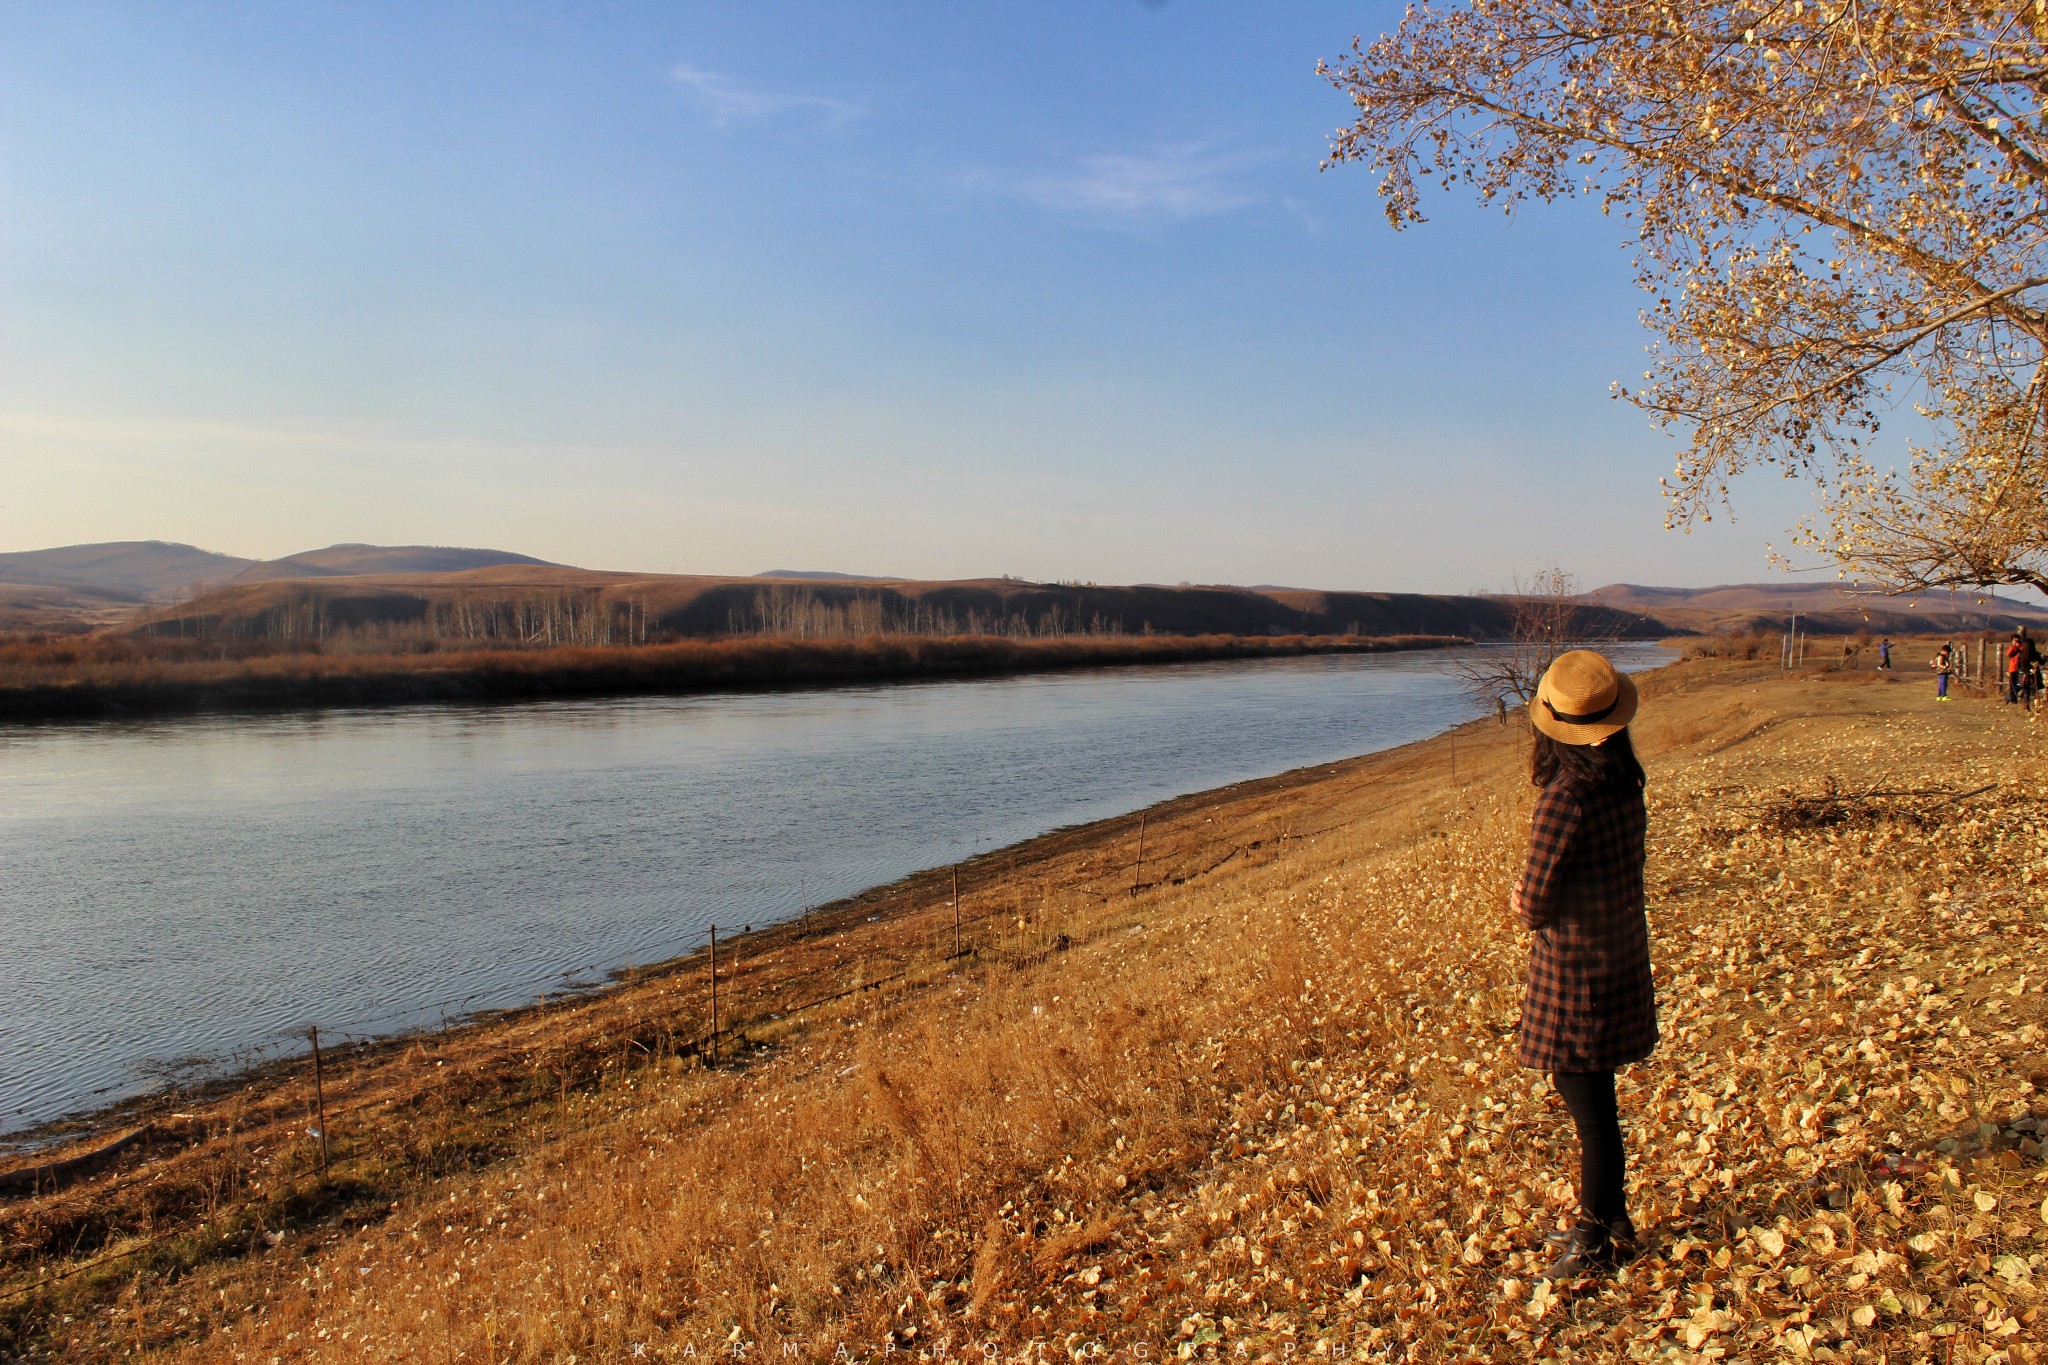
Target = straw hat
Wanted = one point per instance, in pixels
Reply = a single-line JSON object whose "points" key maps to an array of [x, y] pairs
{"points": [[1582, 700]]}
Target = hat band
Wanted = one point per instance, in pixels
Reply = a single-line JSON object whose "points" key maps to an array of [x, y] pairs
{"points": [[1566, 718]]}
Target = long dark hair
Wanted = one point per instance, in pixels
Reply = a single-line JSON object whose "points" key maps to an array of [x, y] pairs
{"points": [[1612, 762]]}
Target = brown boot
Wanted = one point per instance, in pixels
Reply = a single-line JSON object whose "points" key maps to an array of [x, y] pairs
{"points": [[1622, 1232], [1588, 1250]]}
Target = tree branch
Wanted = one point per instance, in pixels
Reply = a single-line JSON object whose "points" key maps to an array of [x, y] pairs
{"points": [[1889, 352]]}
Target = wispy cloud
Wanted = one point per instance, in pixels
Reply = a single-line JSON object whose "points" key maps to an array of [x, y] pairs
{"points": [[726, 101], [1186, 180], [1312, 223]]}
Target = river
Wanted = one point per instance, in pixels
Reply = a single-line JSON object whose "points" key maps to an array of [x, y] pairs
{"points": [[179, 896]]}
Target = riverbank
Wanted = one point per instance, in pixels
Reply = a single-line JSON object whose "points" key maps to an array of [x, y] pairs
{"points": [[64, 678], [1253, 1087]]}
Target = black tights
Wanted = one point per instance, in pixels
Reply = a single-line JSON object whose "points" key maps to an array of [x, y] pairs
{"points": [[1602, 1164]]}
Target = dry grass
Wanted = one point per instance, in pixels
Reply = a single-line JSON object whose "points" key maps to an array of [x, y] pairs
{"points": [[1744, 645], [37, 658], [1269, 1101], [57, 676]]}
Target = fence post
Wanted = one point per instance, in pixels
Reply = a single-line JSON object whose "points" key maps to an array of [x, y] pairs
{"points": [[714, 993], [1138, 869], [319, 1094], [956, 910]]}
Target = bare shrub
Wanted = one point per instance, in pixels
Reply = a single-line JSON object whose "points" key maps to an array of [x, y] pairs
{"points": [[1743, 644], [1545, 619]]}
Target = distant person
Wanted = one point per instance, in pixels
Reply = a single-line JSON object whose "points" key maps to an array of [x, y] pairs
{"points": [[1944, 664], [1884, 655], [2015, 664], [1591, 1006]]}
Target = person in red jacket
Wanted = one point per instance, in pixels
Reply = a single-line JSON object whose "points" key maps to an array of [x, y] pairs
{"points": [[2015, 657], [1590, 1006]]}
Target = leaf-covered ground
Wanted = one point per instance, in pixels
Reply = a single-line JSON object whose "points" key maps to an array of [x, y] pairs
{"points": [[1268, 1109], [1837, 1152]]}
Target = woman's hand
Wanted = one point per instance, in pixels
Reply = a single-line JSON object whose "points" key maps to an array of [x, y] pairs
{"points": [[1515, 903]]}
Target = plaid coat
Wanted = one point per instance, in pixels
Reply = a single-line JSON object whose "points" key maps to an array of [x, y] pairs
{"points": [[1591, 1005]]}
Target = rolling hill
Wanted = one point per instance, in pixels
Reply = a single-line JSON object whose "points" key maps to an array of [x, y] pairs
{"points": [[337, 561], [33, 607], [425, 592], [521, 603], [139, 569], [85, 587], [1823, 608], [524, 601]]}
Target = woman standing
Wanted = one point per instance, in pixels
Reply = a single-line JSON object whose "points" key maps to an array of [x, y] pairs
{"points": [[1943, 665], [1591, 1006]]}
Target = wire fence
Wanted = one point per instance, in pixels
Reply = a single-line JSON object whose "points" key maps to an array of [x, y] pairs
{"points": [[925, 941], [741, 984], [327, 1139]]}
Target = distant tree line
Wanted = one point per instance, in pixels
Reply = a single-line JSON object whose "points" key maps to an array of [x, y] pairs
{"points": [[375, 618], [385, 620], [591, 617], [800, 613]]}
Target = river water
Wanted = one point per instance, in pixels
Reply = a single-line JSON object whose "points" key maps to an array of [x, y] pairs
{"points": [[180, 895]]}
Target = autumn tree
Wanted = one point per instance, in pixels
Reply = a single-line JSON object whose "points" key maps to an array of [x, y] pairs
{"points": [[1837, 206]]}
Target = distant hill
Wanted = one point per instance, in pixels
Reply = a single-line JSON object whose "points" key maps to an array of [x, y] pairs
{"points": [[1797, 597], [431, 591], [135, 568], [527, 603], [63, 610], [357, 560], [1824, 608]]}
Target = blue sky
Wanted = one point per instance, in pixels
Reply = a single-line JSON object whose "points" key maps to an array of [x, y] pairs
{"points": [[929, 289]]}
